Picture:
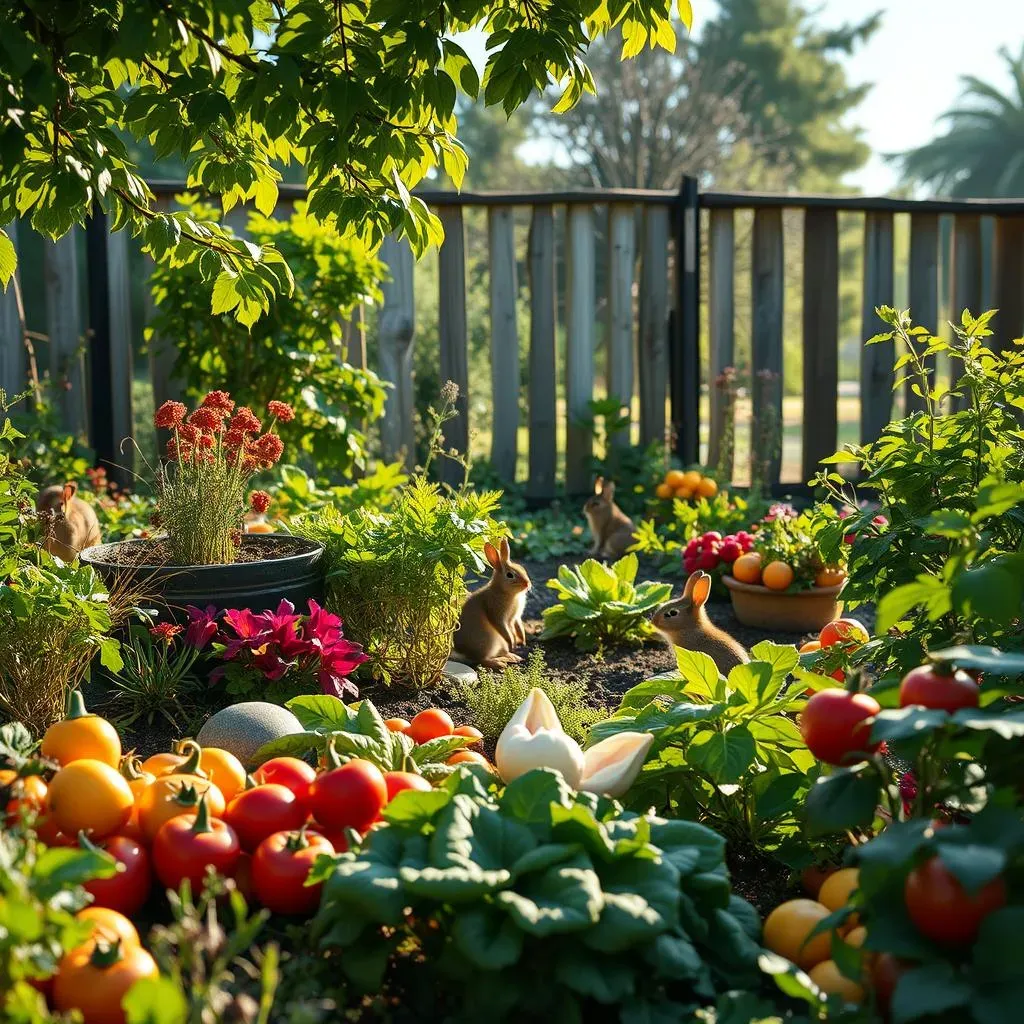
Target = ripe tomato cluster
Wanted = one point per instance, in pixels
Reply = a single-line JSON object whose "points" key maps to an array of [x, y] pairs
{"points": [[691, 484], [711, 550]]}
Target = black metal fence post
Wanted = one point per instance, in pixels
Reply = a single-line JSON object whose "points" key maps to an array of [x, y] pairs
{"points": [[684, 351]]}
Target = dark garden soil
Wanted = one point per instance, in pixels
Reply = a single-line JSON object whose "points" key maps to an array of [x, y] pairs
{"points": [[158, 552]]}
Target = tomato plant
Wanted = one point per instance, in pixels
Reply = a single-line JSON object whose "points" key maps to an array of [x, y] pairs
{"points": [[280, 868], [259, 812], [184, 848], [833, 725]]}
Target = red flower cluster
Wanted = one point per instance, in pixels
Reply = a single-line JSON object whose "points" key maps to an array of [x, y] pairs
{"points": [[170, 415], [220, 401], [206, 418], [259, 501], [708, 552], [281, 411], [246, 421], [165, 631]]}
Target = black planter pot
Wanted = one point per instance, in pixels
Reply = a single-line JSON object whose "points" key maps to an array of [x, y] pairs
{"points": [[296, 576]]}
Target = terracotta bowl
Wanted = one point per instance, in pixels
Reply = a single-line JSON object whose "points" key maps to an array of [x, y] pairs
{"points": [[803, 611]]}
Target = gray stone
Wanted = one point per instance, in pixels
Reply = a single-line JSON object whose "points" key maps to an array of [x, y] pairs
{"points": [[243, 728], [459, 673]]}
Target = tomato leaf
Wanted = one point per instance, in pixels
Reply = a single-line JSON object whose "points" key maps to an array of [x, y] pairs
{"points": [[846, 799]]}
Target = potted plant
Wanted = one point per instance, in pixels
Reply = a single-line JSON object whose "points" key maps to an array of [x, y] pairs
{"points": [[203, 556], [783, 583]]}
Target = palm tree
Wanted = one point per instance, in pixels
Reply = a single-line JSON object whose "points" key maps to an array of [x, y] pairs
{"points": [[981, 153]]}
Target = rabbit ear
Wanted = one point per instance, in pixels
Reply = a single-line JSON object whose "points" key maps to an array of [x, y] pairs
{"points": [[690, 581], [599, 485], [503, 549], [609, 490], [701, 590], [70, 490], [492, 556]]}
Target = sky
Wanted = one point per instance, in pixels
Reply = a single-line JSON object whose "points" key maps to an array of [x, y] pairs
{"points": [[914, 63]]}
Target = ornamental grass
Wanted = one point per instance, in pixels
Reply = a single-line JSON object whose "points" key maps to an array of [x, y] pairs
{"points": [[203, 483]]}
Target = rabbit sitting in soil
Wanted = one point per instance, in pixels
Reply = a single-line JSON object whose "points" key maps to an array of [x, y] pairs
{"points": [[684, 623], [491, 623], [72, 523], [612, 529]]}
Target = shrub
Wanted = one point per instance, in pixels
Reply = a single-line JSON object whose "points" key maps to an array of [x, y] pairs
{"points": [[396, 576], [293, 352], [598, 605], [495, 696], [535, 903]]}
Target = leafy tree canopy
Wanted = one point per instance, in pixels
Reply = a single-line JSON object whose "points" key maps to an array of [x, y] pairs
{"points": [[362, 93]]}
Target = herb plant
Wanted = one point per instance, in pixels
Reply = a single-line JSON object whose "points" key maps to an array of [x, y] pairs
{"points": [[598, 605], [536, 902]]}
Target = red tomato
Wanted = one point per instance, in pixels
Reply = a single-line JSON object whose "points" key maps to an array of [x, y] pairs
{"points": [[184, 847], [257, 813], [885, 975], [399, 781], [942, 909], [128, 890], [280, 867], [351, 796], [335, 838], [932, 688], [833, 725], [430, 725], [848, 632], [243, 875], [289, 772]]}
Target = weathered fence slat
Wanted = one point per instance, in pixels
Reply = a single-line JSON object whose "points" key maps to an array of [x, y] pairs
{"points": [[876, 361], [12, 346], [821, 338], [64, 327], [579, 369], [163, 354], [504, 342], [652, 361], [121, 376], [542, 380], [721, 325], [767, 299], [1008, 278], [966, 285], [354, 337], [397, 325], [924, 285], [621, 264], [451, 315]]}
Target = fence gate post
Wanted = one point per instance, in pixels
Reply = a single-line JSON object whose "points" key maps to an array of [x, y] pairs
{"points": [[684, 362], [12, 344], [397, 326]]}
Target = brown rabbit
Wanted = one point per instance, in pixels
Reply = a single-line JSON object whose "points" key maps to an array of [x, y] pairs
{"points": [[685, 623], [73, 525], [491, 623], [612, 529]]}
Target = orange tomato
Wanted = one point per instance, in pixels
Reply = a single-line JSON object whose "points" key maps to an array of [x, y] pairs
{"points": [[684, 492], [850, 633], [224, 769], [172, 795], [830, 576], [810, 647], [161, 764], [692, 479], [675, 478], [430, 724], [855, 936], [787, 927], [95, 981], [747, 568], [777, 575], [27, 794], [88, 795], [832, 981], [468, 757], [81, 735], [469, 731], [838, 888], [707, 488], [109, 926], [664, 491], [397, 724]]}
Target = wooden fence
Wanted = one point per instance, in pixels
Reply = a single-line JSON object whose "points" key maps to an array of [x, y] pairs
{"points": [[652, 299]]}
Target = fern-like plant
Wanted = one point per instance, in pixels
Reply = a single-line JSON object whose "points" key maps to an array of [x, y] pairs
{"points": [[598, 605]]}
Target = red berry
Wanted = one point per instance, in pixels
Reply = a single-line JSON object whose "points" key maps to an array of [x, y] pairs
{"points": [[729, 551], [880, 521], [690, 565], [693, 546], [711, 535], [849, 538], [707, 561]]}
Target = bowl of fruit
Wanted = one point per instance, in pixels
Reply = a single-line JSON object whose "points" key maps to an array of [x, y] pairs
{"points": [[714, 554], [686, 486], [782, 582]]}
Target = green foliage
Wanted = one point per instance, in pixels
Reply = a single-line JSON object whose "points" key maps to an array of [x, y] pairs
{"points": [[296, 493], [123, 515], [294, 352], [396, 576], [726, 750], [17, 495], [359, 731], [494, 698], [598, 605], [951, 485], [546, 533], [53, 620], [535, 902], [362, 95], [53, 456], [40, 890], [793, 540]]}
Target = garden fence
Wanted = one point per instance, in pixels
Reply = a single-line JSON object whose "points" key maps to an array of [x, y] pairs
{"points": [[653, 297]]}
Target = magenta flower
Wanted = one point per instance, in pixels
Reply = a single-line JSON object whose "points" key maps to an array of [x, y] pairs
{"points": [[202, 625], [250, 630]]}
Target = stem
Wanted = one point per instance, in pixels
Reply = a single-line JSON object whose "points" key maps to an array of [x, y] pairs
{"points": [[76, 706], [202, 822]]}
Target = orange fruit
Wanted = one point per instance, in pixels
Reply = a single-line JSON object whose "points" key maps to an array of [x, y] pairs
{"points": [[81, 736], [259, 526], [810, 647], [836, 890], [777, 576], [397, 724], [787, 928], [470, 732], [88, 795], [110, 925], [692, 479], [675, 478], [430, 724], [684, 492], [224, 769], [832, 981], [707, 488], [830, 576], [161, 764], [663, 491], [747, 568], [468, 757], [856, 936]]}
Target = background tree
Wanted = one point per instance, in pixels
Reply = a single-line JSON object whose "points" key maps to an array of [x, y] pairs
{"points": [[981, 153]]}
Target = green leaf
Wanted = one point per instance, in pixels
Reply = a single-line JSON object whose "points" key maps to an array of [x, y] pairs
{"points": [[1006, 725], [530, 797], [602, 979], [925, 991], [415, 808], [487, 938], [973, 864], [780, 796], [58, 868], [439, 749], [724, 756], [989, 591], [322, 713], [155, 1001], [8, 259], [783, 658], [928, 591], [601, 580], [985, 659], [295, 744], [996, 499], [625, 568], [754, 681], [906, 723], [565, 898], [843, 800], [700, 672]]}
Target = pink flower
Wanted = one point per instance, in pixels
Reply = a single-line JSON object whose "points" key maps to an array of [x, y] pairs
{"points": [[165, 632], [251, 632], [202, 625], [169, 415], [259, 501], [281, 411]]}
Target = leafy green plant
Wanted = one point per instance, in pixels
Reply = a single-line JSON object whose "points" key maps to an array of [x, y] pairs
{"points": [[948, 481], [791, 539], [17, 495], [296, 493], [598, 605], [726, 750], [494, 697], [536, 902], [51, 454], [294, 352], [396, 575], [546, 533], [53, 620]]}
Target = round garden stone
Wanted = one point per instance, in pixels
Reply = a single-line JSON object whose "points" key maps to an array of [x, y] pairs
{"points": [[459, 673], [243, 728]]}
